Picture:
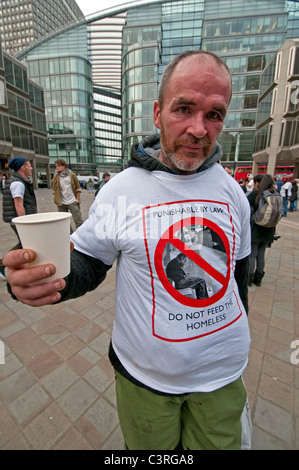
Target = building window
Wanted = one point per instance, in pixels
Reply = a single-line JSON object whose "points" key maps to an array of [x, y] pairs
{"points": [[286, 98], [277, 69], [250, 101], [291, 61], [282, 133], [2, 93], [273, 101]]}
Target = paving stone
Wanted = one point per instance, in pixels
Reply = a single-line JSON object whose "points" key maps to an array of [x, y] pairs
{"points": [[44, 364], [77, 399], [73, 440], [59, 380], [16, 384], [103, 416], [18, 442], [68, 347], [8, 427], [46, 428], [274, 420], [28, 403], [12, 363], [100, 376]]}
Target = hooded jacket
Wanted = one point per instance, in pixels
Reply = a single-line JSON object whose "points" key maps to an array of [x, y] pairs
{"points": [[146, 155], [57, 190]]}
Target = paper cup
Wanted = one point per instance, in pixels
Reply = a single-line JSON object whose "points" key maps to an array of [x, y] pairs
{"points": [[48, 234]]}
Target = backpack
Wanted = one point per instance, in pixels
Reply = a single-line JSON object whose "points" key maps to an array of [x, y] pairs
{"points": [[268, 212]]}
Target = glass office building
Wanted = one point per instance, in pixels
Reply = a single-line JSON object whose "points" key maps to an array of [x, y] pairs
{"points": [[22, 118], [277, 136], [125, 49], [24, 21]]}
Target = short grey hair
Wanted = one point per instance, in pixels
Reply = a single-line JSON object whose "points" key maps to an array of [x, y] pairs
{"points": [[172, 65]]}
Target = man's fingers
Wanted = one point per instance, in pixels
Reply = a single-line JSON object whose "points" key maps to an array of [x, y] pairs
{"points": [[29, 275], [15, 258], [39, 294], [47, 300]]}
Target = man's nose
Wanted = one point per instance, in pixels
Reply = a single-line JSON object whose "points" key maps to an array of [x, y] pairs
{"points": [[197, 126]]}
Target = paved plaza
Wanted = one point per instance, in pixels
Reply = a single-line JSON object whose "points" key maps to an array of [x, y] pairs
{"points": [[57, 384]]}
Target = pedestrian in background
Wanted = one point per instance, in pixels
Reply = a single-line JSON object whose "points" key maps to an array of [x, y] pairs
{"points": [[285, 192], [18, 197], [105, 179], [279, 183], [90, 185], [294, 196], [67, 191], [261, 237], [242, 183], [249, 184], [3, 181]]}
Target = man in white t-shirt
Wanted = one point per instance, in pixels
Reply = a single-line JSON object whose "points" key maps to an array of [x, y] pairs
{"points": [[285, 191], [178, 356], [18, 196], [249, 184]]}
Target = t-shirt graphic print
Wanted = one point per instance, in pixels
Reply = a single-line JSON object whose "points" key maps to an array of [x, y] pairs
{"points": [[190, 248]]}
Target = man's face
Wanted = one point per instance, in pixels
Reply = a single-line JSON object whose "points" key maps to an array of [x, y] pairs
{"points": [[60, 168], [27, 169], [194, 107]]}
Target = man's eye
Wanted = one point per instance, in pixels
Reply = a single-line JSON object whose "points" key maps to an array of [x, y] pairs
{"points": [[183, 109], [215, 116]]}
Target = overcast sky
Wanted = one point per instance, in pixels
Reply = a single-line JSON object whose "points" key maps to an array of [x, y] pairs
{"points": [[92, 6]]}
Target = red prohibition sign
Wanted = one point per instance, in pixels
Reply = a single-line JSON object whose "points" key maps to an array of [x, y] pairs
{"points": [[170, 237]]}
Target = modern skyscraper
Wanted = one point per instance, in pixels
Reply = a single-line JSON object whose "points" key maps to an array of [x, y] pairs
{"points": [[23, 129], [24, 21]]}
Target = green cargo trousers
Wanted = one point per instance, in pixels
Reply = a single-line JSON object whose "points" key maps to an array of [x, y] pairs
{"points": [[196, 421]]}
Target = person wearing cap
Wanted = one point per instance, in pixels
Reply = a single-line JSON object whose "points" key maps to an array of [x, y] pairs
{"points": [[67, 191], [18, 196]]}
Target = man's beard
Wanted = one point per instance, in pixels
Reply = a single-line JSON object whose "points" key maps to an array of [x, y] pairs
{"points": [[187, 163]]}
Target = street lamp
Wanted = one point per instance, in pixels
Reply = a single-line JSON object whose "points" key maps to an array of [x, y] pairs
{"points": [[68, 149], [237, 150]]}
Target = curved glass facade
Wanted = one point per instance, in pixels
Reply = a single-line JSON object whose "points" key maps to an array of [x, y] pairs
{"points": [[69, 103]]}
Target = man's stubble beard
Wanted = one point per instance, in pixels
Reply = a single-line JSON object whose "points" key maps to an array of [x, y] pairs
{"points": [[185, 163]]}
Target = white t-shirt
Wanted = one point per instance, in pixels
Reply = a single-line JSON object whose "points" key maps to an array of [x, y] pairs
{"points": [[165, 337], [286, 187], [17, 189], [67, 195], [250, 185]]}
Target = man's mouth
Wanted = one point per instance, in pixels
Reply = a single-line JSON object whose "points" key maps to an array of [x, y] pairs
{"points": [[194, 147]]}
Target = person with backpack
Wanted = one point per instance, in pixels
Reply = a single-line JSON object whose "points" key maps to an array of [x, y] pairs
{"points": [[261, 236]]}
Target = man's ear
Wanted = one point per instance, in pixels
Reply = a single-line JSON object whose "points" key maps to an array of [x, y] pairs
{"points": [[157, 113]]}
